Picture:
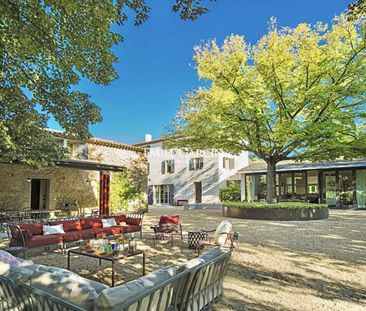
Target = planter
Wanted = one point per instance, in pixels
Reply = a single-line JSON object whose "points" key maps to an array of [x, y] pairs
{"points": [[275, 214]]}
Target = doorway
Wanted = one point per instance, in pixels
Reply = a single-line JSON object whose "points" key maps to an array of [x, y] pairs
{"points": [[39, 193], [198, 192]]}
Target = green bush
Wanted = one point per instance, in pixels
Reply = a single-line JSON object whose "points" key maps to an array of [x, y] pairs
{"points": [[230, 193], [279, 205]]}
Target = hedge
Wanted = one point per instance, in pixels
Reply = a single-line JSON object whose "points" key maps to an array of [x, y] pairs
{"points": [[279, 205]]}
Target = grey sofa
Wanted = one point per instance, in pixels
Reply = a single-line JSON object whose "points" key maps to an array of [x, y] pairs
{"points": [[193, 286]]}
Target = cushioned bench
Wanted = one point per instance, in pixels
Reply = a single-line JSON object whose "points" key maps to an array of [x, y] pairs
{"points": [[31, 235]]}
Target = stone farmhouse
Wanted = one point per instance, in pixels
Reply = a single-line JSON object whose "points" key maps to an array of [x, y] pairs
{"points": [[79, 183]]}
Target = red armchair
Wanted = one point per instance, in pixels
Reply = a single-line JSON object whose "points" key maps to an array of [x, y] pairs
{"points": [[168, 227]]}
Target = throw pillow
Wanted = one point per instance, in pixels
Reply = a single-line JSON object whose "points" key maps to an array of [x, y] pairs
{"points": [[8, 258], [108, 222], [56, 229]]}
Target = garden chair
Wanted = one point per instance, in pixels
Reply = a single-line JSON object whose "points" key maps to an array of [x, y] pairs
{"points": [[222, 236], [168, 227]]}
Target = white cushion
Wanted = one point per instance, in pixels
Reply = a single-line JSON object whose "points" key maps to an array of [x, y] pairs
{"points": [[56, 229], [222, 230], [109, 222], [112, 297]]}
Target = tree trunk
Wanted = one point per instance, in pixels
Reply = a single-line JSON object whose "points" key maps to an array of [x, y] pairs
{"points": [[271, 182]]}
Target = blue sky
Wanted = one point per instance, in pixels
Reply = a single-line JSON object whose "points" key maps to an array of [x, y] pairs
{"points": [[156, 69]]}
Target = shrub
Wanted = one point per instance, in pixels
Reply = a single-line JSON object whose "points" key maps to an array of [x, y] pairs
{"points": [[230, 193], [279, 205]]}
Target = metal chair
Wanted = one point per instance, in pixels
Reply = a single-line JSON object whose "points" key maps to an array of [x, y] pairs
{"points": [[168, 227], [230, 238]]}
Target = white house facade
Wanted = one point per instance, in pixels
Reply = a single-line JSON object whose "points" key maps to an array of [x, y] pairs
{"points": [[180, 178]]}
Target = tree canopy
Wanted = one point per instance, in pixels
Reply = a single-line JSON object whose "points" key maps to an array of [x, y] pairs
{"points": [[299, 93], [46, 47]]}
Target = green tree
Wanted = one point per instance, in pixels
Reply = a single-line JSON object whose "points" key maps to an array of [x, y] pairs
{"points": [[297, 94], [46, 47], [130, 186]]}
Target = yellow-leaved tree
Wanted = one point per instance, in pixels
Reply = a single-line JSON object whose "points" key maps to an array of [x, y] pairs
{"points": [[299, 93]]}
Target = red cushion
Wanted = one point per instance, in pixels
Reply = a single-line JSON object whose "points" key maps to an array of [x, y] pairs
{"points": [[69, 225], [133, 221], [100, 233], [35, 228], [169, 220], [91, 223], [44, 240], [79, 235], [131, 228]]}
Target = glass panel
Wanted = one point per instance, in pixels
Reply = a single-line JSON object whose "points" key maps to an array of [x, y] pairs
{"points": [[330, 188], [361, 188], [299, 186], [262, 187], [250, 187], [313, 189], [345, 188], [286, 186]]}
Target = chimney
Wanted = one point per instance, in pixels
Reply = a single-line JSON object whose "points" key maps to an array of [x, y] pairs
{"points": [[148, 137]]}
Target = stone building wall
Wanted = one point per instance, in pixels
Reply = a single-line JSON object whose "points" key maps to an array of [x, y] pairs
{"points": [[65, 186], [110, 155]]}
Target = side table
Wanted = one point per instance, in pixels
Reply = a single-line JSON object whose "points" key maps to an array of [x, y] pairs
{"points": [[194, 237]]}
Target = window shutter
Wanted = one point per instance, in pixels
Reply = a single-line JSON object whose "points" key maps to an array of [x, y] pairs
{"points": [[171, 195], [173, 166], [191, 167], [163, 167], [224, 162], [200, 163], [150, 195], [232, 163]]}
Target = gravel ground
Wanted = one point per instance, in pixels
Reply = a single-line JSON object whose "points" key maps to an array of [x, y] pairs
{"points": [[311, 265]]}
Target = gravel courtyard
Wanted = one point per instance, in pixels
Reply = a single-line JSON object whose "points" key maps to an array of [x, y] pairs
{"points": [[313, 265]]}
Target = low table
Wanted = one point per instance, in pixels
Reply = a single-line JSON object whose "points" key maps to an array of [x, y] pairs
{"points": [[113, 258]]}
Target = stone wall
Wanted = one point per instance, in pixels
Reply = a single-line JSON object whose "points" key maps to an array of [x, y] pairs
{"points": [[110, 155], [65, 186]]}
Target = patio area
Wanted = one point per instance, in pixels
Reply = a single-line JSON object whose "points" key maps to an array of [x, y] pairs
{"points": [[313, 265]]}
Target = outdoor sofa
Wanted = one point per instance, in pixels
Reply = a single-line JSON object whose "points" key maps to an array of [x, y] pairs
{"points": [[192, 286], [31, 235]]}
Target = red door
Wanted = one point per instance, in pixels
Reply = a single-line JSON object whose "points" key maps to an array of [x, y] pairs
{"points": [[105, 178]]}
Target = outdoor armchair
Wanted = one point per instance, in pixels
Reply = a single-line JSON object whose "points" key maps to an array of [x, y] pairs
{"points": [[222, 236], [168, 227]]}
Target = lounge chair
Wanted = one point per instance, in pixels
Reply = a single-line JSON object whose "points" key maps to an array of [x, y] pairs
{"points": [[222, 236], [168, 227]]}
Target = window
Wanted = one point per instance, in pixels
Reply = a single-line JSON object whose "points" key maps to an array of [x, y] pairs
{"points": [[286, 186], [299, 185], [228, 163], [167, 166], [163, 194], [313, 189], [195, 164]]}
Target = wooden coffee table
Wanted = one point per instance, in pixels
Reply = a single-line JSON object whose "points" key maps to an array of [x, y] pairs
{"points": [[113, 258]]}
